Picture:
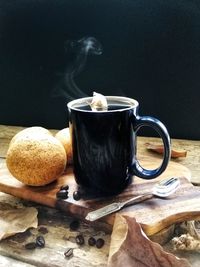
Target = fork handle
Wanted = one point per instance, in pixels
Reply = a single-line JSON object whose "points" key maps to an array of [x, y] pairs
{"points": [[137, 199]]}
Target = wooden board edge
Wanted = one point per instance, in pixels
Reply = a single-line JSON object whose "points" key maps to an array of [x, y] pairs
{"points": [[173, 219]]}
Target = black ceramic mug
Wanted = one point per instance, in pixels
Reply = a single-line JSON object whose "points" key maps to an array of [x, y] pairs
{"points": [[104, 144]]}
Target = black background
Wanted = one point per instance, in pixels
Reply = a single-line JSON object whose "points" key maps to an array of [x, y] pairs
{"points": [[151, 53]]}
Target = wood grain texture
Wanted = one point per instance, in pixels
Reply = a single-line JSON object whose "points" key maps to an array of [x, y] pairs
{"points": [[192, 161], [57, 223], [154, 214]]}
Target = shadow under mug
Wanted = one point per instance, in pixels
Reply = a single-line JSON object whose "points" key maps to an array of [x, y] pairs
{"points": [[104, 144]]}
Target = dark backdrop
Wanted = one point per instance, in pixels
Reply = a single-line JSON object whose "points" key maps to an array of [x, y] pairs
{"points": [[151, 52]]}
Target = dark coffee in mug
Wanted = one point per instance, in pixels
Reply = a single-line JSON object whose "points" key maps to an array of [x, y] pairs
{"points": [[104, 144], [113, 106]]}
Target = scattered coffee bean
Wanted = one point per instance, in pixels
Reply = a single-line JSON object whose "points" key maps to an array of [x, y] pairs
{"points": [[40, 241], [91, 241], [68, 253], [100, 242], [65, 187], [31, 245], [62, 194], [76, 195], [22, 237], [43, 230], [74, 225], [80, 240]]}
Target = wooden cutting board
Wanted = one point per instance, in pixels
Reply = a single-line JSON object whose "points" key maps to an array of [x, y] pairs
{"points": [[154, 214]]}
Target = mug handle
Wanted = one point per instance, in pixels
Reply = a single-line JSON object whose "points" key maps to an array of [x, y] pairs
{"points": [[160, 128]]}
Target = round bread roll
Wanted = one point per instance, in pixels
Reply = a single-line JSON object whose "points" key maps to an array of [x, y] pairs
{"points": [[37, 159], [64, 137], [28, 132]]}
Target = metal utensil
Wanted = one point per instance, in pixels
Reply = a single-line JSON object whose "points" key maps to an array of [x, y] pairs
{"points": [[162, 189]]}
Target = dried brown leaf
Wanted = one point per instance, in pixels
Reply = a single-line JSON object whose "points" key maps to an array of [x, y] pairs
{"points": [[160, 150], [131, 247], [16, 220]]}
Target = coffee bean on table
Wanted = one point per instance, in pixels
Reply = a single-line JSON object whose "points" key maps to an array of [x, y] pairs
{"points": [[31, 245], [63, 194], [68, 253], [76, 195], [43, 230], [80, 239], [65, 187], [91, 241], [40, 241], [74, 225], [100, 242]]}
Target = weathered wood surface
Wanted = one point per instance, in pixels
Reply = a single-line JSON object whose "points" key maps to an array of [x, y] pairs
{"points": [[59, 237], [154, 215], [192, 161], [5, 261]]}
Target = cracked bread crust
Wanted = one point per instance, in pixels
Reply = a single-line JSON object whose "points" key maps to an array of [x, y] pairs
{"points": [[36, 159]]}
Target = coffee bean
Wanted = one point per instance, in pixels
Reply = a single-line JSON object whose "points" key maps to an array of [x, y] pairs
{"points": [[80, 240], [40, 241], [91, 241], [22, 237], [74, 225], [76, 195], [63, 194], [65, 187], [68, 253], [43, 230], [100, 242], [31, 245]]}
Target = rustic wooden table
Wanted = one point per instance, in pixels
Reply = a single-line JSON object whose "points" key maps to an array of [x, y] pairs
{"points": [[59, 237]]}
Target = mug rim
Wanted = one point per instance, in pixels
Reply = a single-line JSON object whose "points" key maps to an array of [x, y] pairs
{"points": [[132, 102]]}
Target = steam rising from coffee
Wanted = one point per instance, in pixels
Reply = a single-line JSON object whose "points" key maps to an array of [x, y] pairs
{"points": [[79, 49]]}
